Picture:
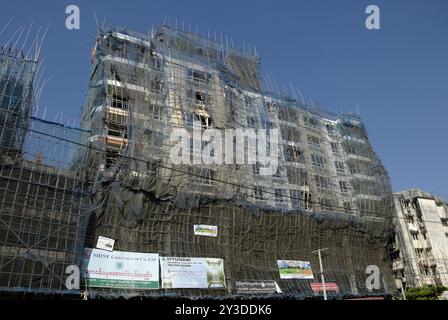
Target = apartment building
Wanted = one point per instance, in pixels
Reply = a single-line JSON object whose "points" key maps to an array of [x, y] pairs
{"points": [[420, 253]]}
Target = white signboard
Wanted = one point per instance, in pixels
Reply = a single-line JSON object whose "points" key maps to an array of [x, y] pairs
{"points": [[180, 272], [105, 243], [205, 230], [119, 269]]}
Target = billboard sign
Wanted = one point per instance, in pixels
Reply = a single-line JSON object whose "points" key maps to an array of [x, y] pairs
{"points": [[257, 287], [205, 230], [294, 269], [120, 269], [329, 286], [179, 272]]}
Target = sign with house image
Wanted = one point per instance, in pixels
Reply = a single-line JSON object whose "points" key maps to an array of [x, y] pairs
{"points": [[294, 269]]}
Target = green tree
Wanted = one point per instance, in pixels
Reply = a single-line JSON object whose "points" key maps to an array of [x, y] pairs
{"points": [[425, 293]]}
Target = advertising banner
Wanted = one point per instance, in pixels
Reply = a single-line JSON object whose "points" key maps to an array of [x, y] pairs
{"points": [[119, 269], [180, 272], [329, 286], [205, 230], [105, 243], [293, 269], [257, 287]]}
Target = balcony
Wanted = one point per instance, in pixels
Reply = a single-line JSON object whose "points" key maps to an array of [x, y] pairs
{"points": [[120, 84], [397, 265], [362, 177], [422, 226], [417, 244], [412, 228], [431, 262], [116, 142], [351, 156], [116, 116], [201, 108], [367, 197], [428, 280]]}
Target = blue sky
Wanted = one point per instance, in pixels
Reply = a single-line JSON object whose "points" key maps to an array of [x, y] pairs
{"points": [[398, 75]]}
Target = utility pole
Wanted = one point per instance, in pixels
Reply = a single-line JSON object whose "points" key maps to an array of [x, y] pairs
{"points": [[318, 251], [403, 290]]}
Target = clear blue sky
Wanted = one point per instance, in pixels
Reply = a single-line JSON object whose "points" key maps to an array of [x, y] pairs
{"points": [[398, 75]]}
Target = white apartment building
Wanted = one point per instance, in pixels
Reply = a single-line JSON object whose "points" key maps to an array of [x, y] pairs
{"points": [[420, 252]]}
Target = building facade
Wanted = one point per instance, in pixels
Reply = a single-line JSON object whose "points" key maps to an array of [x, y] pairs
{"points": [[145, 87], [16, 97], [44, 199], [329, 189], [420, 255], [116, 178]]}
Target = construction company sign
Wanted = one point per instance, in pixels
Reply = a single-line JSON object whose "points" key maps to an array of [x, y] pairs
{"points": [[119, 269], [205, 230], [200, 273]]}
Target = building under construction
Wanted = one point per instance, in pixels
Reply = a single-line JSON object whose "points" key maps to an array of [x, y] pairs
{"points": [[62, 188], [43, 196]]}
